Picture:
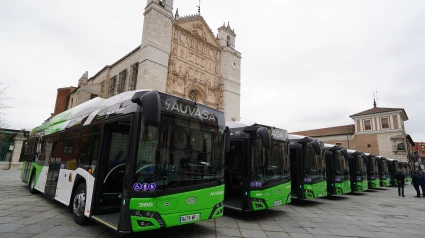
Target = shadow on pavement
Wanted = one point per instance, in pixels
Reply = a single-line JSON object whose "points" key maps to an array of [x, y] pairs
{"points": [[357, 193], [188, 230], [371, 190], [381, 189], [305, 203], [336, 198], [253, 216]]}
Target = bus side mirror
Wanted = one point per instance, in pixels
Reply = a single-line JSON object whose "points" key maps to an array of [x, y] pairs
{"points": [[151, 104], [227, 138], [264, 135], [344, 153], [316, 146]]}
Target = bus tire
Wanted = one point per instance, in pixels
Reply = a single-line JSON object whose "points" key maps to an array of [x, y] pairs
{"points": [[79, 204], [31, 184]]}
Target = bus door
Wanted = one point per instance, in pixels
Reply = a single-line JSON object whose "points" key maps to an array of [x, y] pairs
{"points": [[330, 170], [111, 172], [235, 174], [53, 149], [296, 163], [29, 158]]}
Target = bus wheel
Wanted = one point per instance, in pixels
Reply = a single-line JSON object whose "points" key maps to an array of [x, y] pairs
{"points": [[79, 204], [31, 184]]}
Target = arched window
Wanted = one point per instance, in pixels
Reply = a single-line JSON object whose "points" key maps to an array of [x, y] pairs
{"points": [[228, 40], [192, 95], [400, 146]]}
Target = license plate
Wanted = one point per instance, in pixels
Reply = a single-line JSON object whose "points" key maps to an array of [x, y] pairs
{"points": [[277, 203], [320, 195], [188, 218]]}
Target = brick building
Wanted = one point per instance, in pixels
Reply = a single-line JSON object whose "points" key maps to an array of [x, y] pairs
{"points": [[378, 130], [420, 153], [179, 55]]}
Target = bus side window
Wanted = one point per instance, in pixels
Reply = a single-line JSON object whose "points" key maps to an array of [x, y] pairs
{"points": [[89, 147], [58, 144], [40, 155], [70, 149]]}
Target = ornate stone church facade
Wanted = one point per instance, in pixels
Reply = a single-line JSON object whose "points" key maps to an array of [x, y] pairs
{"points": [[179, 55]]}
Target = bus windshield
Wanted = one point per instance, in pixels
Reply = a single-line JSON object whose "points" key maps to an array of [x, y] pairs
{"points": [[405, 171], [385, 168], [314, 166], [178, 153], [270, 164], [361, 169], [374, 168], [341, 167]]}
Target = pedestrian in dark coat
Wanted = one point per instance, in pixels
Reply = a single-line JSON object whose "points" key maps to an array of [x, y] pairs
{"points": [[415, 183], [400, 177], [422, 182]]}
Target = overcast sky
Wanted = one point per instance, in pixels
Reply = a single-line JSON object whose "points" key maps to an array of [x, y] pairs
{"points": [[305, 64]]}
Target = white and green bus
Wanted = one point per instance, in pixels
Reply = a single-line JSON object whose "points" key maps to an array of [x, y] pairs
{"points": [[138, 161]]}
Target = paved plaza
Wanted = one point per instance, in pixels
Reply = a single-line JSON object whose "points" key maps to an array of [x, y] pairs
{"points": [[377, 213]]}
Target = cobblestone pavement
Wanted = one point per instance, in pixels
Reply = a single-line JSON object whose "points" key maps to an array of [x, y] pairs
{"points": [[377, 213]]}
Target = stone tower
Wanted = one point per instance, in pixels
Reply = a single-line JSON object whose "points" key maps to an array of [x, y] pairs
{"points": [[155, 47], [231, 73]]}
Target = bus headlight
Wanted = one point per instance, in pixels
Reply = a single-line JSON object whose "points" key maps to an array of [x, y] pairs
{"points": [[148, 214], [217, 210]]}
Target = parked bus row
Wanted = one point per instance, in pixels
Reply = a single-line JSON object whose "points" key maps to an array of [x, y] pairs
{"points": [[145, 160]]}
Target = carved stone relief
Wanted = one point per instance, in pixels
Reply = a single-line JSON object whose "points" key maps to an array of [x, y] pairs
{"points": [[194, 65]]}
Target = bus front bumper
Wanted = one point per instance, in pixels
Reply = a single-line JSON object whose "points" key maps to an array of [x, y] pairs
{"points": [[343, 188], [176, 209], [271, 197], [385, 182], [316, 190], [375, 183], [362, 185]]}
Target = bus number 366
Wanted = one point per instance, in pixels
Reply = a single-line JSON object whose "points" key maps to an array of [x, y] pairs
{"points": [[146, 204]]}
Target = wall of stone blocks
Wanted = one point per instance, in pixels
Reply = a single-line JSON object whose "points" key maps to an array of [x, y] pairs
{"points": [[231, 106], [388, 145]]}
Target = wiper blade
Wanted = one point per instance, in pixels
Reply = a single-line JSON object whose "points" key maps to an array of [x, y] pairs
{"points": [[276, 179], [156, 193], [204, 174]]}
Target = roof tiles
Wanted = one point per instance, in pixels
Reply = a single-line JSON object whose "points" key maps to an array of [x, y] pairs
{"points": [[337, 130]]}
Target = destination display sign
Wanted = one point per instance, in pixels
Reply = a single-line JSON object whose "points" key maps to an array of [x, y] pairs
{"points": [[279, 134], [190, 109]]}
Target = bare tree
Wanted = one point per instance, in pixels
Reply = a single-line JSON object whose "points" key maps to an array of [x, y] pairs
{"points": [[3, 105]]}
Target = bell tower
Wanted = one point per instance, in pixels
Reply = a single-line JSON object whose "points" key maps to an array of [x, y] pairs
{"points": [[231, 73], [155, 47]]}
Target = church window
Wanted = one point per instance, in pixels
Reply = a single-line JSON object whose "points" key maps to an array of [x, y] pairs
{"points": [[400, 146], [192, 95], [121, 82], [133, 76], [385, 123], [228, 41], [367, 125], [112, 83]]}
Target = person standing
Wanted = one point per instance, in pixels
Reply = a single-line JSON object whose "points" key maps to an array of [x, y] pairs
{"points": [[415, 183], [422, 182], [400, 177]]}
